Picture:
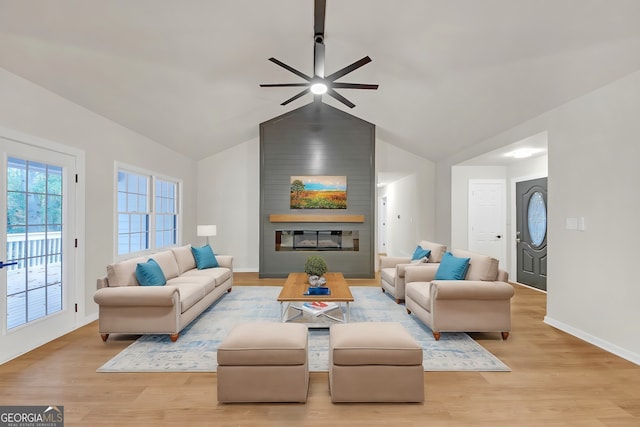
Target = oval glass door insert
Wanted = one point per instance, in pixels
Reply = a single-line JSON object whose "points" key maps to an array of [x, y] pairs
{"points": [[537, 218]]}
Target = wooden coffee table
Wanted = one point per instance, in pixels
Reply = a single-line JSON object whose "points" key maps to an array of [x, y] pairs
{"points": [[293, 292]]}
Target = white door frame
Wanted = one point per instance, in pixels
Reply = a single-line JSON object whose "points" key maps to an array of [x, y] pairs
{"points": [[75, 277]]}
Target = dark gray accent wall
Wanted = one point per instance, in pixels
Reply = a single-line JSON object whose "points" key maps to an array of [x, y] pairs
{"points": [[317, 139]]}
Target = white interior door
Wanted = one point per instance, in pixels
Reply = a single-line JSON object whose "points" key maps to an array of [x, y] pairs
{"points": [[487, 213], [382, 225], [37, 240]]}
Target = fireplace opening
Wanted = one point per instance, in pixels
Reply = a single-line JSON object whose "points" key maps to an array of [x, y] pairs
{"points": [[317, 240]]}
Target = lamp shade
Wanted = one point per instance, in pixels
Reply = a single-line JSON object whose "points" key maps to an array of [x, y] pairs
{"points": [[206, 230]]}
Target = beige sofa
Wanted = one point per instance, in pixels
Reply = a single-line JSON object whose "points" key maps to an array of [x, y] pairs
{"points": [[392, 269], [480, 303], [128, 308]]}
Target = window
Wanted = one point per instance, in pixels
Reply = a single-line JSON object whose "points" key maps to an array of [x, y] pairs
{"points": [[166, 213], [147, 212]]}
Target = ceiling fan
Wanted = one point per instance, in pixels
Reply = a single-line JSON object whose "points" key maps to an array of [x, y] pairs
{"points": [[319, 83]]}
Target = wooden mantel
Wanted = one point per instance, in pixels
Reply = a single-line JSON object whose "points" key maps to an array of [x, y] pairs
{"points": [[315, 218]]}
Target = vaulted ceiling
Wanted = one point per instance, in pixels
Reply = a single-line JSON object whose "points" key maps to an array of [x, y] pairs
{"points": [[451, 73]]}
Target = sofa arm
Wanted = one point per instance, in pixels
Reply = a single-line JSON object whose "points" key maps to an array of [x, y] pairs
{"points": [[138, 296], [102, 282], [225, 261], [424, 272], [503, 276], [391, 261], [470, 289], [401, 269]]}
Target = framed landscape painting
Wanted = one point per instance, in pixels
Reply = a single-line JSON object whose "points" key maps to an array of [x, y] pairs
{"points": [[318, 192]]}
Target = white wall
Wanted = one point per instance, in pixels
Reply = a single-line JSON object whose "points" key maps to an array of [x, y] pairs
{"points": [[534, 167], [593, 173], [402, 216], [32, 110], [410, 199], [229, 197]]}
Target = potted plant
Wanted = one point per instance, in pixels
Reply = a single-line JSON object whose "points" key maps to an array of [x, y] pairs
{"points": [[315, 267]]}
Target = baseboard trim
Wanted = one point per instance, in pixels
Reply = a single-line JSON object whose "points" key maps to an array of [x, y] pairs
{"points": [[245, 270], [598, 342], [87, 319]]}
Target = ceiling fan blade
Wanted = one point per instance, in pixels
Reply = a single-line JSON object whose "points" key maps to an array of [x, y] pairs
{"points": [[318, 59], [320, 9], [338, 85], [289, 68], [348, 69], [284, 84], [293, 98], [340, 98]]}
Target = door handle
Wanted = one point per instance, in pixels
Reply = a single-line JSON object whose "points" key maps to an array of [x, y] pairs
{"points": [[499, 236], [6, 264], [517, 237]]}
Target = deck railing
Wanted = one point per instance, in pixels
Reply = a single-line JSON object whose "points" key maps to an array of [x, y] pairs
{"points": [[33, 249]]}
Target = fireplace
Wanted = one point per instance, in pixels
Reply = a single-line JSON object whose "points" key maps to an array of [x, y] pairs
{"points": [[317, 240]]}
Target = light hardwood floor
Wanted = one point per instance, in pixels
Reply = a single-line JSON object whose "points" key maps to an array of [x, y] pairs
{"points": [[556, 380]]}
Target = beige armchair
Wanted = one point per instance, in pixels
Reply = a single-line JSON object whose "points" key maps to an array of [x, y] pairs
{"points": [[392, 269], [480, 303]]}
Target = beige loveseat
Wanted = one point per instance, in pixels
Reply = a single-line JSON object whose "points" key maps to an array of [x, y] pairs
{"points": [[392, 269], [480, 303], [128, 308]]}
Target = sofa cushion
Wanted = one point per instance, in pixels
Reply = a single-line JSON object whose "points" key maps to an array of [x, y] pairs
{"points": [[167, 262], [184, 258], [452, 268], [481, 267], [207, 283], [204, 257], [388, 275], [123, 273], [420, 253], [420, 292], [150, 274], [437, 250], [219, 275]]}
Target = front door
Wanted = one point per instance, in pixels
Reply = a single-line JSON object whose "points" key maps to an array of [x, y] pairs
{"points": [[36, 237], [531, 232]]}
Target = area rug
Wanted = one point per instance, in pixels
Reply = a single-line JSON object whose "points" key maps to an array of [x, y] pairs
{"points": [[195, 350]]}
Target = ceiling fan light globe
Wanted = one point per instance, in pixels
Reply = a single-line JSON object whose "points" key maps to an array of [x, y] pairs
{"points": [[319, 88]]}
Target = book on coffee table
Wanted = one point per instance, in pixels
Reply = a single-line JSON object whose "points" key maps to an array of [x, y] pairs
{"points": [[318, 307]]}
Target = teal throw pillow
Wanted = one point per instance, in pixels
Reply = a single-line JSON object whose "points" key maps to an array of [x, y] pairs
{"points": [[150, 274], [452, 268], [204, 257], [420, 253]]}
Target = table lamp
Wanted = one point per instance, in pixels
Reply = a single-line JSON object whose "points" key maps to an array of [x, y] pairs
{"points": [[206, 231]]}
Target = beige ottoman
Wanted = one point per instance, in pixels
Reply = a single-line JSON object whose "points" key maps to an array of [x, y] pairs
{"points": [[264, 362], [374, 362]]}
